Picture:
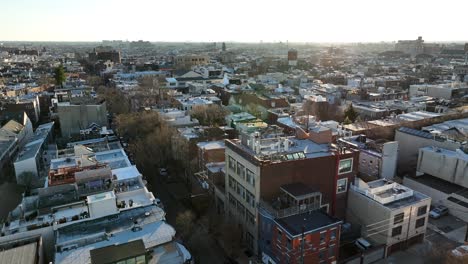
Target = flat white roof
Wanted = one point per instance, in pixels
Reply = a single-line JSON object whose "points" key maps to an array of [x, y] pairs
{"points": [[126, 173], [101, 197], [153, 234]]}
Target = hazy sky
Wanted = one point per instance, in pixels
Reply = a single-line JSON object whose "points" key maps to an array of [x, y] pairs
{"points": [[233, 20]]}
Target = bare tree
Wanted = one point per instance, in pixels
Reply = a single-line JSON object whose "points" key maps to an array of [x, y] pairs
{"points": [[185, 223], [209, 115]]}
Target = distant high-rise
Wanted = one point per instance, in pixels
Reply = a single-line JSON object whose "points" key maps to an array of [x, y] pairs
{"points": [[292, 57], [223, 47], [416, 47]]}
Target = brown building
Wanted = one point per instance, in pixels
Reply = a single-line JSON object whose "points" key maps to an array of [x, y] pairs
{"points": [[258, 165], [104, 55], [210, 152], [310, 237], [16, 109]]}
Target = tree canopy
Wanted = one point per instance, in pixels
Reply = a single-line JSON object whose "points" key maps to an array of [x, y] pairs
{"points": [[116, 101], [59, 75], [351, 114], [209, 114], [149, 138]]}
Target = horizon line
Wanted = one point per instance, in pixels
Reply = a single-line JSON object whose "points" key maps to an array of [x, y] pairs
{"points": [[240, 42]]}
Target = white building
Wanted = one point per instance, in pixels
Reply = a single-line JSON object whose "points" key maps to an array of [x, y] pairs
{"points": [[13, 136], [443, 135], [451, 166], [31, 159], [444, 91], [388, 213], [102, 204], [377, 159]]}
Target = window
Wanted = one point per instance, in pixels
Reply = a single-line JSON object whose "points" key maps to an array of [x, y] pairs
{"points": [[333, 234], [240, 170], [241, 209], [232, 200], [240, 190], [324, 208], [232, 163], [420, 222], [422, 210], [331, 251], [345, 166], [280, 235], [232, 183], [250, 177], [250, 198], [140, 260], [321, 256], [289, 243], [342, 185], [398, 218], [396, 231], [250, 217], [322, 237], [250, 240]]}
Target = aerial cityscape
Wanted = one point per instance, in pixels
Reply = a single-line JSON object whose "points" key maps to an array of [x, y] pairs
{"points": [[233, 138]]}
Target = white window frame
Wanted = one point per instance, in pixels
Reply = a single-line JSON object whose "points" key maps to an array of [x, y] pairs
{"points": [[346, 185], [352, 163], [325, 206]]}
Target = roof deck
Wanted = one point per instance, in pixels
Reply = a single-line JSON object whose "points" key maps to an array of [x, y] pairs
{"points": [[388, 193]]}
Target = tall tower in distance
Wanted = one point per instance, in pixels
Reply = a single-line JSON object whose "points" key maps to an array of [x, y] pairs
{"points": [[292, 58], [223, 47]]}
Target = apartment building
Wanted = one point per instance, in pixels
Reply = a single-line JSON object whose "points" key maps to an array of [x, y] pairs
{"points": [[292, 229], [441, 174], [377, 158], [80, 113], [31, 158], [446, 135], [13, 136], [388, 213], [187, 61], [258, 164]]}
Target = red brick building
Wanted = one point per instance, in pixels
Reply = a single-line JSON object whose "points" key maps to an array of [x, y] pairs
{"points": [[312, 236], [259, 165]]}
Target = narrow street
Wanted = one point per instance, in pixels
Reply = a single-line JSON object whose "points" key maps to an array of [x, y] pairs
{"points": [[202, 246]]}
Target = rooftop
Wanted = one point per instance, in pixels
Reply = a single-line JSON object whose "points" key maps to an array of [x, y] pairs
{"points": [[114, 253], [208, 145], [388, 193], [126, 173], [441, 185], [101, 197], [31, 149], [298, 189], [311, 222], [280, 148], [460, 124], [25, 254], [78, 250]]}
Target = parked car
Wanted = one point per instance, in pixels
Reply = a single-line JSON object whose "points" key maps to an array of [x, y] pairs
{"points": [[362, 244], [163, 172], [438, 212]]}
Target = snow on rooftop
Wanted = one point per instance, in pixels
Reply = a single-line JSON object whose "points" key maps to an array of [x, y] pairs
{"points": [[126, 173], [153, 234]]}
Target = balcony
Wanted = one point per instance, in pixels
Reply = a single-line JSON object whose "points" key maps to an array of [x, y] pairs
{"points": [[288, 211]]}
